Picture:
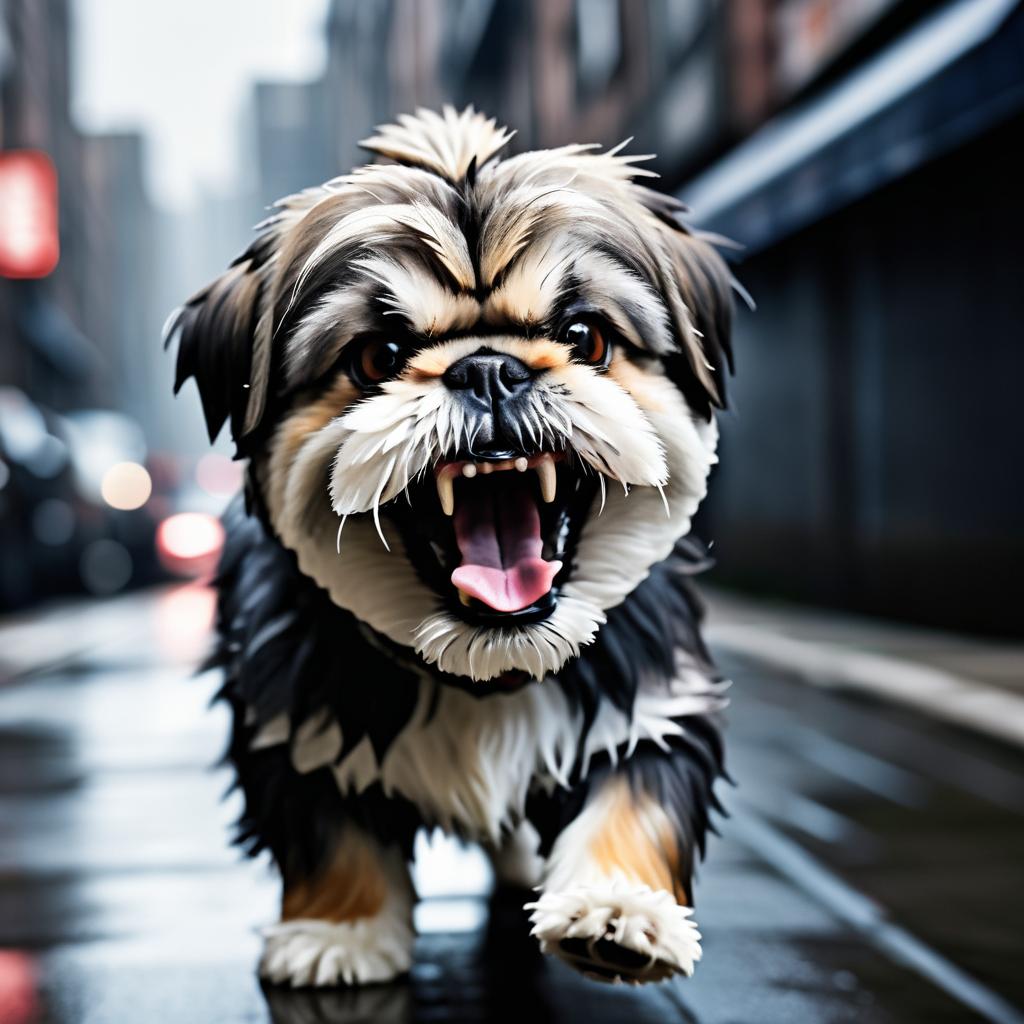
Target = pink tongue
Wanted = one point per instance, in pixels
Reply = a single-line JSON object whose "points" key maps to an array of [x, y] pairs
{"points": [[499, 539]]}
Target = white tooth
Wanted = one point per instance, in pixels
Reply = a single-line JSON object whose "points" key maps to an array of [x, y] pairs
{"points": [[546, 472], [446, 493], [464, 597], [469, 470], [522, 464]]}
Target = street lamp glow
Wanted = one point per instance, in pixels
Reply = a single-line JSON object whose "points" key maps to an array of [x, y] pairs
{"points": [[190, 535], [126, 486]]}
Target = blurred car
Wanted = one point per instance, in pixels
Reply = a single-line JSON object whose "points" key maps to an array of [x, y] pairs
{"points": [[76, 503]]}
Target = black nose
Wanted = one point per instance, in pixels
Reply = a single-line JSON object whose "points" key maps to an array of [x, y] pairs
{"points": [[488, 378], [491, 387]]}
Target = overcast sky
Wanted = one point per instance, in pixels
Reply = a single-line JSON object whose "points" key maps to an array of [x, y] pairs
{"points": [[181, 72]]}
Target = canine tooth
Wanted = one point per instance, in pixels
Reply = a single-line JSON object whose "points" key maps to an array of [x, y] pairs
{"points": [[546, 473], [464, 597], [522, 463], [469, 470], [446, 493]]}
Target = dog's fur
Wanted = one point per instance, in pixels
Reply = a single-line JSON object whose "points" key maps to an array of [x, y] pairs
{"points": [[576, 738]]}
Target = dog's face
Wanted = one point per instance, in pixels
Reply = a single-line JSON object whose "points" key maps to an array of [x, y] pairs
{"points": [[477, 394]]}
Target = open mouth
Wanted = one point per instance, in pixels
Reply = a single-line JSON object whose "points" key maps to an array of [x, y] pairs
{"points": [[497, 535]]}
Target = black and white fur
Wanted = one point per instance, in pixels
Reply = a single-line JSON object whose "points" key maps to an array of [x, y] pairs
{"points": [[364, 707]]}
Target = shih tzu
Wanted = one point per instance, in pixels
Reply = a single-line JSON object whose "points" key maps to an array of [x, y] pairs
{"points": [[476, 396]]}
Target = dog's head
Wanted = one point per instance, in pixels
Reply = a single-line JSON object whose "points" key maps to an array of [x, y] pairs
{"points": [[477, 394]]}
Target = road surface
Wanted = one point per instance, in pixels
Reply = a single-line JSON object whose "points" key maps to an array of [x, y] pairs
{"points": [[872, 868]]}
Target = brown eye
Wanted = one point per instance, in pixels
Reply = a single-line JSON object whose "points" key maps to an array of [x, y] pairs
{"points": [[377, 360], [589, 340]]}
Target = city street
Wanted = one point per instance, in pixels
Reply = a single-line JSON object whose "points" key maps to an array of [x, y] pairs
{"points": [[872, 868], [760, 255]]}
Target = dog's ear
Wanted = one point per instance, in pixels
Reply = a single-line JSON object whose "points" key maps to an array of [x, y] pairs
{"points": [[703, 282], [221, 346]]}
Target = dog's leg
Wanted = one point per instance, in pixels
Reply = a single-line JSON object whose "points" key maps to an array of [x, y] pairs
{"points": [[351, 923], [614, 901], [516, 862]]}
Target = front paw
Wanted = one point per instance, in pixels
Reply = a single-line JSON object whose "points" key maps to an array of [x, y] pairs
{"points": [[321, 953], [618, 932]]}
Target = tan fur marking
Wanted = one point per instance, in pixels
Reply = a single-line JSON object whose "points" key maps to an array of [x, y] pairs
{"points": [[545, 354], [636, 839], [308, 420], [520, 302], [538, 354], [429, 364], [352, 886], [636, 382]]}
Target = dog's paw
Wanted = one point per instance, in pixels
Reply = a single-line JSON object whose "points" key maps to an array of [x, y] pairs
{"points": [[308, 952], [618, 932]]}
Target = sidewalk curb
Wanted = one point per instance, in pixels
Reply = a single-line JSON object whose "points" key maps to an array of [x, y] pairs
{"points": [[962, 701]]}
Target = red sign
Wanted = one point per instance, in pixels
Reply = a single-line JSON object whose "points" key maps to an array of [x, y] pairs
{"points": [[29, 243]]}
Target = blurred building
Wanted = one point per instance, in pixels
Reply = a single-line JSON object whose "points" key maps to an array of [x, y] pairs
{"points": [[869, 459], [124, 314], [78, 340], [65, 333], [294, 140], [45, 347], [685, 80]]}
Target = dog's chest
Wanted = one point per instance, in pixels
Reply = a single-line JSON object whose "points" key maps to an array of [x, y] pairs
{"points": [[468, 763]]}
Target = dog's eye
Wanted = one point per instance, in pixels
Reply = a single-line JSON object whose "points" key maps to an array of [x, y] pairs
{"points": [[590, 341], [376, 360]]}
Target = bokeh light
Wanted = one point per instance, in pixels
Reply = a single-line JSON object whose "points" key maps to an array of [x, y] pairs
{"points": [[189, 543], [126, 486], [19, 999], [217, 474]]}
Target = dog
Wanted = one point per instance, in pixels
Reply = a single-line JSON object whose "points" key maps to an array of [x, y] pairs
{"points": [[477, 397]]}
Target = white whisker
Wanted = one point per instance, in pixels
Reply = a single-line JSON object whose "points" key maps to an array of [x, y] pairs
{"points": [[664, 500], [604, 491], [376, 523], [341, 526], [385, 476]]}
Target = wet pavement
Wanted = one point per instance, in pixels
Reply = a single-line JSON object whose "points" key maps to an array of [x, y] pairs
{"points": [[872, 868]]}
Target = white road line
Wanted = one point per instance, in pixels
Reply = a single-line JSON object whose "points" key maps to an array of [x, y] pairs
{"points": [[964, 702], [868, 919]]}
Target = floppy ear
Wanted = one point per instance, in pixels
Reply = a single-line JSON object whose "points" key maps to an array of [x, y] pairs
{"points": [[703, 322], [217, 331]]}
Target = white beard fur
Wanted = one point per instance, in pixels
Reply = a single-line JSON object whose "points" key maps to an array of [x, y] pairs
{"points": [[617, 549]]}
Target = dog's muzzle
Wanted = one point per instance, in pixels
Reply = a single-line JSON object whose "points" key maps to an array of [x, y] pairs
{"points": [[492, 388]]}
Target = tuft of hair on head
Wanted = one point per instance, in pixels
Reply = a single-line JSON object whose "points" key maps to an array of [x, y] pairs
{"points": [[453, 144]]}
